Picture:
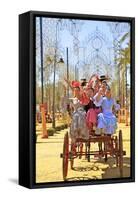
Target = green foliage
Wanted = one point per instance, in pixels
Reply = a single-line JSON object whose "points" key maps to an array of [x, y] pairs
{"points": [[51, 131]]}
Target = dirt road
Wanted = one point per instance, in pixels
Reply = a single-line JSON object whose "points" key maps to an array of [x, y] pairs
{"points": [[49, 163]]}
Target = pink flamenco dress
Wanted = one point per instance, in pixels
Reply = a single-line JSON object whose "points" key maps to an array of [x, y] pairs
{"points": [[92, 113]]}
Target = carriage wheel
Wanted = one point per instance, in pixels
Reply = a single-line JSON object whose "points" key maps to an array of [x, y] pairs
{"points": [[116, 149], [65, 155], [120, 153], [71, 159]]}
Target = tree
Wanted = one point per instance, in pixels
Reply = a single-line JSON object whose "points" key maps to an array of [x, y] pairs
{"points": [[123, 61]]}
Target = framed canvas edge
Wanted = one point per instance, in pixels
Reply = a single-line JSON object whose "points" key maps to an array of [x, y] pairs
{"points": [[31, 61]]}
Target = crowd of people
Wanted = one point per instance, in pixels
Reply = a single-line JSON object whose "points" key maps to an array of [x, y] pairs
{"points": [[92, 108]]}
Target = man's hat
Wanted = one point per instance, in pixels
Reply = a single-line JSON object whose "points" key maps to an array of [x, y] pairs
{"points": [[83, 79], [83, 82], [102, 78]]}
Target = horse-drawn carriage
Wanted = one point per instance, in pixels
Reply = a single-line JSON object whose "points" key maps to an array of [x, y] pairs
{"points": [[93, 109], [108, 146]]}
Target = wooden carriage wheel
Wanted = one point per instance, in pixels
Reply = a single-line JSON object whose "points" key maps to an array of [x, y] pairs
{"points": [[71, 158], [65, 155], [116, 150], [120, 153]]}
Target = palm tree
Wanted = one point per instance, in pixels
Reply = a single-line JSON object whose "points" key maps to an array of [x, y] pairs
{"points": [[123, 61]]}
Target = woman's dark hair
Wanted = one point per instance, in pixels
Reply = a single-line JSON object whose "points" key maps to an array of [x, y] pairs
{"points": [[92, 89], [104, 81], [83, 83], [108, 88]]}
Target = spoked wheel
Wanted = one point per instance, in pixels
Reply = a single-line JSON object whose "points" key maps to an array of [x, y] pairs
{"points": [[120, 153], [71, 157], [116, 149], [65, 155]]}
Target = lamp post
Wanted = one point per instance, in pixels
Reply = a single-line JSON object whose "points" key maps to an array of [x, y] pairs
{"points": [[41, 60], [54, 87], [67, 55], [54, 77], [42, 106], [53, 107]]}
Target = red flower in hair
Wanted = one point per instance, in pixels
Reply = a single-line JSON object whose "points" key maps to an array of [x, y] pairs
{"points": [[75, 84]]}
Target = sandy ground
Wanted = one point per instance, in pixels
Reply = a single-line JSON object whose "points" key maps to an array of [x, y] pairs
{"points": [[49, 163]]}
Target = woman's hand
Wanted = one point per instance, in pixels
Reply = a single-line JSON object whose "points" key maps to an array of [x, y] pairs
{"points": [[100, 92]]}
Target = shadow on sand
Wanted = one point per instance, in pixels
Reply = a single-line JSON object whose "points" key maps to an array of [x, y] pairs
{"points": [[108, 169]]}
